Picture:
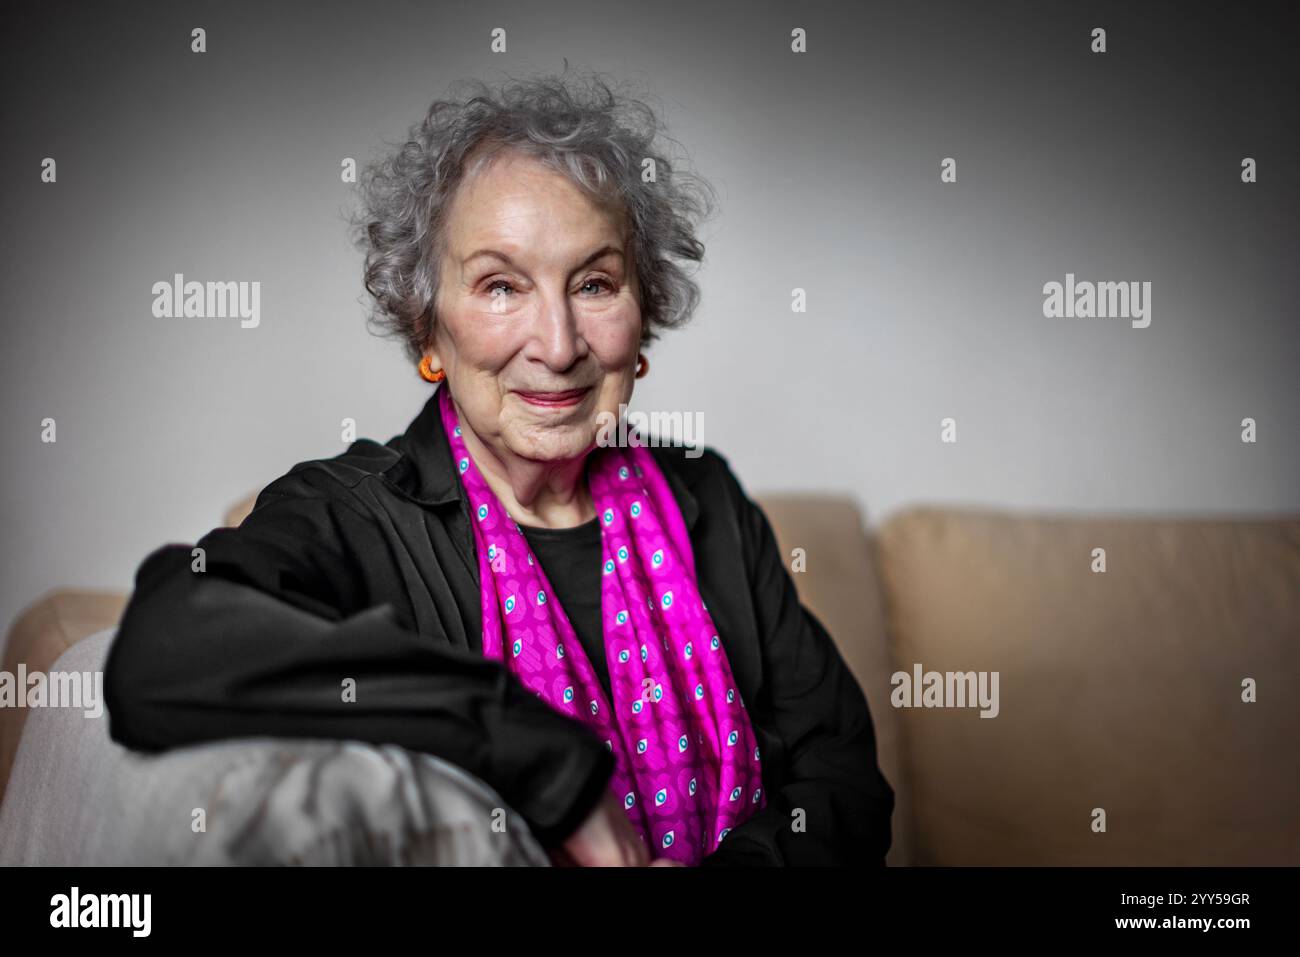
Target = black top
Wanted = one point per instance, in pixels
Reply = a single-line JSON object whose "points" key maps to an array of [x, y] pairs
{"points": [[363, 566], [570, 558]]}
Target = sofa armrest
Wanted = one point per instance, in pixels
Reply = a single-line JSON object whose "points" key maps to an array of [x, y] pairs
{"points": [[46, 629], [76, 797]]}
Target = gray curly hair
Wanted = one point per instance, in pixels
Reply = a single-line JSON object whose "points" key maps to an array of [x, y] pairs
{"points": [[597, 137]]}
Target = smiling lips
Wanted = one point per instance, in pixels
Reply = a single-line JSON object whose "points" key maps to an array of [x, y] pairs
{"points": [[554, 400]]}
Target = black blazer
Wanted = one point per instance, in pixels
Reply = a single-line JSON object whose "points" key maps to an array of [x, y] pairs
{"points": [[362, 566]]}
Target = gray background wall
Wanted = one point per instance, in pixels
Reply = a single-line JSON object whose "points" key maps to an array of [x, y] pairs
{"points": [[924, 299]]}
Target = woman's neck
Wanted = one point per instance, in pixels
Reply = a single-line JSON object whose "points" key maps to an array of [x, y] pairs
{"points": [[550, 494]]}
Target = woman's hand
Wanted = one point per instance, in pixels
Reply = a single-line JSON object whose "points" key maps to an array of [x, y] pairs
{"points": [[607, 839]]}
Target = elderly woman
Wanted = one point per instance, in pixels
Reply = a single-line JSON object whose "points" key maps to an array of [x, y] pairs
{"points": [[605, 634]]}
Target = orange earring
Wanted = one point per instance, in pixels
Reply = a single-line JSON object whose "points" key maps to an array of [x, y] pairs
{"points": [[427, 373], [642, 365]]}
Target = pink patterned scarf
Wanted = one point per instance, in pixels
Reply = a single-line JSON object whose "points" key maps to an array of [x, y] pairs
{"points": [[686, 761]]}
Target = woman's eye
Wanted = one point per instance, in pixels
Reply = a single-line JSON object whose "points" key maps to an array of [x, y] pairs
{"points": [[598, 285]]}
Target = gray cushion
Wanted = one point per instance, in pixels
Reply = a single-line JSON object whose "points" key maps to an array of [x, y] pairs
{"points": [[78, 798]]}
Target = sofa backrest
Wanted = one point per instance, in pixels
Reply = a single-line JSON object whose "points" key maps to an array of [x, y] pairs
{"points": [[1119, 690]]}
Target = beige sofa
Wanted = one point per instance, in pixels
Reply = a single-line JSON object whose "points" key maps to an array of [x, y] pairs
{"points": [[1121, 735]]}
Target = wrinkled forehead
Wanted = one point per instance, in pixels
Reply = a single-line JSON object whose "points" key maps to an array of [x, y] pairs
{"points": [[503, 184]]}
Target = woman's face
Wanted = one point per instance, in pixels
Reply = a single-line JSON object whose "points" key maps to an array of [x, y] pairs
{"points": [[537, 319]]}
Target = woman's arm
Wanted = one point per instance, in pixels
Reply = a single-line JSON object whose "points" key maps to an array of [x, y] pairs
{"points": [[825, 765], [262, 641]]}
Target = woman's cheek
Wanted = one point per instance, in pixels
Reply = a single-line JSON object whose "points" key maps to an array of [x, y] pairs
{"points": [[614, 338]]}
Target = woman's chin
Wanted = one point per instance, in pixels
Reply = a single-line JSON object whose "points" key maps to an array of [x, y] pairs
{"points": [[553, 442]]}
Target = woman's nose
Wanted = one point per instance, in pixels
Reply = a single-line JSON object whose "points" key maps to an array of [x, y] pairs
{"points": [[557, 336]]}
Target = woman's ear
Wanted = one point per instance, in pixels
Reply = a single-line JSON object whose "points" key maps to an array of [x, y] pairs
{"points": [[431, 350]]}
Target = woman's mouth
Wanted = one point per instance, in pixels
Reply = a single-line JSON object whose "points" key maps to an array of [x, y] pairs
{"points": [[553, 400]]}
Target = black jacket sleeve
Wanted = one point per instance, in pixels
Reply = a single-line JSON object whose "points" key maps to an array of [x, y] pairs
{"points": [[823, 759], [263, 642]]}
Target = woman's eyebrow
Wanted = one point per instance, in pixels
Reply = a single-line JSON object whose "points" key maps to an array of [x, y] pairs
{"points": [[495, 254]]}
